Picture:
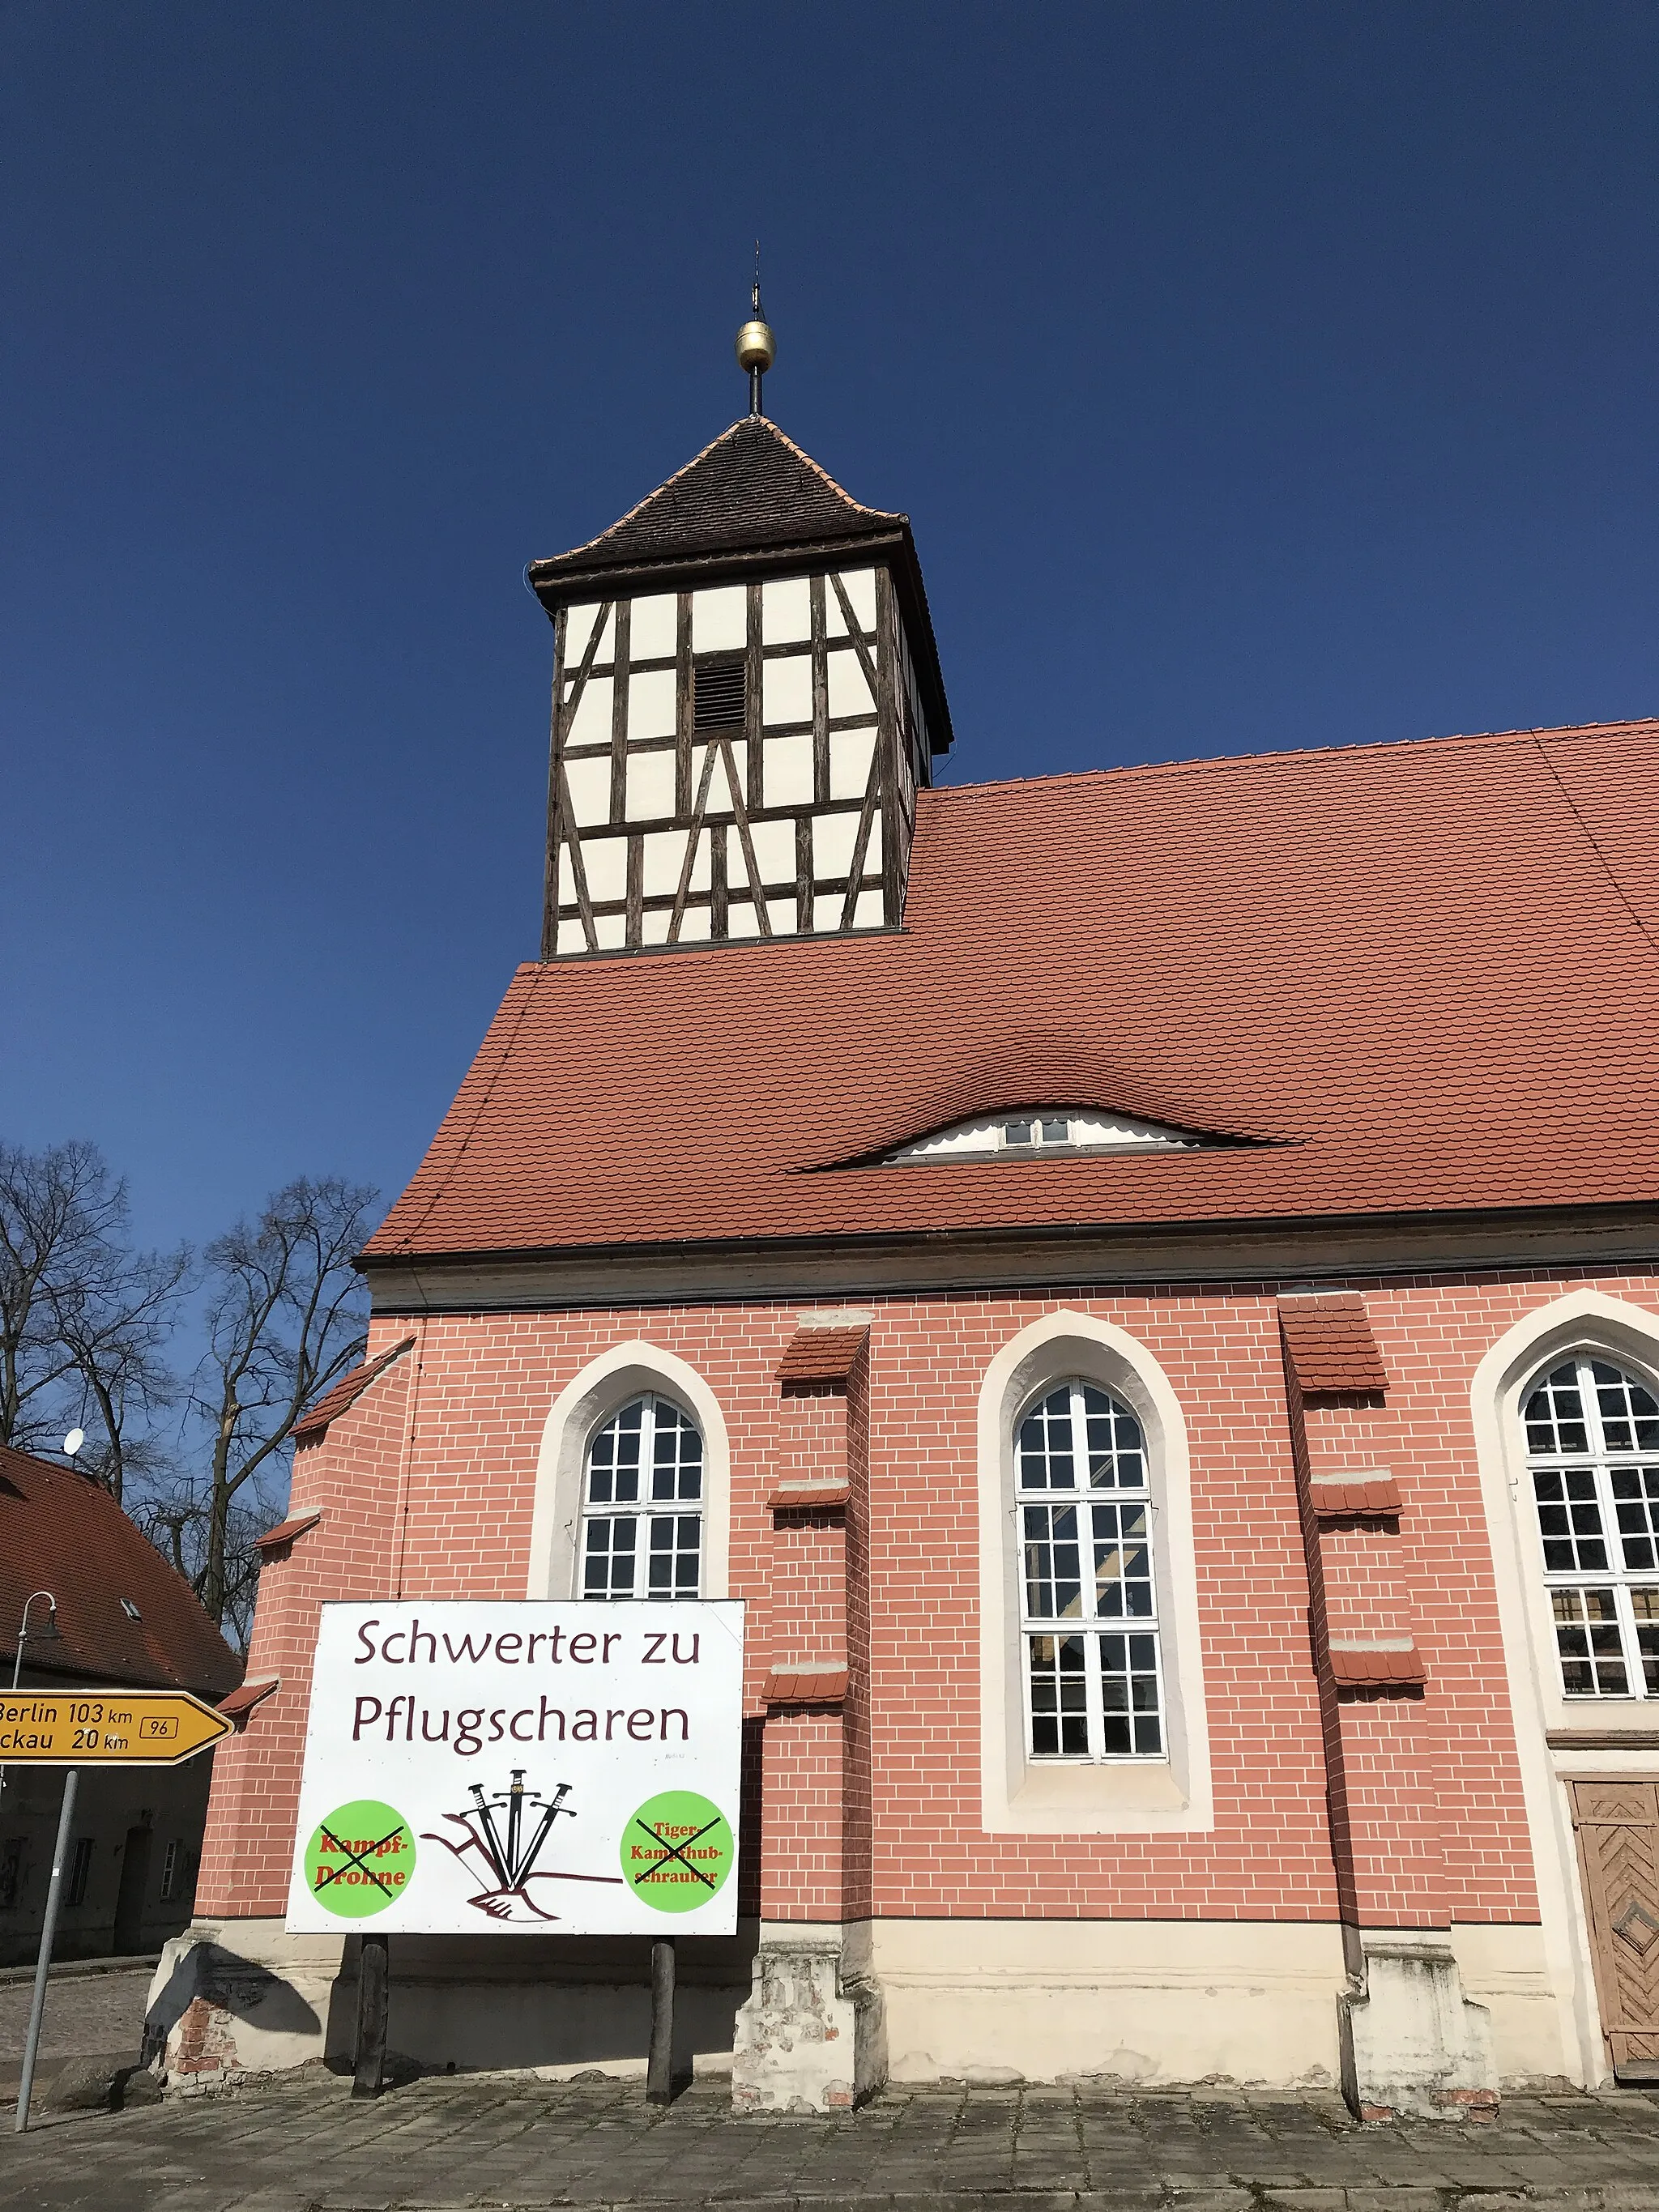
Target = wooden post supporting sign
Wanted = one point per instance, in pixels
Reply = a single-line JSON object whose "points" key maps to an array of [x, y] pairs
{"points": [[660, 2066], [374, 2002]]}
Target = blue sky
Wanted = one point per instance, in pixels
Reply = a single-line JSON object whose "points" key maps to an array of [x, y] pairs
{"points": [[1254, 376]]}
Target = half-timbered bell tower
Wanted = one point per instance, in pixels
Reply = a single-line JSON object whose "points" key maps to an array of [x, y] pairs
{"points": [[747, 694]]}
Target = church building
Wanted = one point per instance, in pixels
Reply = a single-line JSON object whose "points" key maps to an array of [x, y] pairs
{"points": [[1144, 1284]]}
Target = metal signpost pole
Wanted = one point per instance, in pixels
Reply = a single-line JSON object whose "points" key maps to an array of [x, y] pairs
{"points": [[659, 2067], [48, 1929]]}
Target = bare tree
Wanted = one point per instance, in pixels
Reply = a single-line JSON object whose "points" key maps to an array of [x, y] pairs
{"points": [[116, 1334], [285, 1317], [84, 1319], [173, 1512]]}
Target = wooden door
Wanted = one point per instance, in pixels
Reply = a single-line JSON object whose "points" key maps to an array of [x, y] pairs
{"points": [[1618, 1826]]}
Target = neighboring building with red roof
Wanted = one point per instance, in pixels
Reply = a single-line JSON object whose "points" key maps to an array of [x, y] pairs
{"points": [[1154, 1271], [107, 1611]]}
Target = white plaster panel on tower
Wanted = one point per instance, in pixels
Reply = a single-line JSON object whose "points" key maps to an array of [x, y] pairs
{"points": [[834, 836], [589, 785], [651, 628], [611, 930], [719, 619], [697, 926], [578, 628], [719, 783], [573, 938], [787, 611], [650, 704], [781, 913], [786, 771], [664, 856], [868, 913], [605, 859], [860, 586], [591, 723], [774, 851], [741, 920], [849, 688], [826, 910], [786, 689], [650, 786], [851, 752], [653, 926]]}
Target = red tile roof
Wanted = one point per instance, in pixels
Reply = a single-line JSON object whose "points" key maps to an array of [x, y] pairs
{"points": [[1375, 1497], [1376, 1667], [1330, 1345], [285, 1532], [344, 1393], [821, 1355], [1427, 973], [61, 1531], [821, 1686]]}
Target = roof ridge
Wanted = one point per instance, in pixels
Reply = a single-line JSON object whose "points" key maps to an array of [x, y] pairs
{"points": [[1193, 763], [731, 430]]}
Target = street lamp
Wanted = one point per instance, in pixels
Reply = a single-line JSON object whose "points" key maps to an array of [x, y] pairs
{"points": [[43, 1635]]}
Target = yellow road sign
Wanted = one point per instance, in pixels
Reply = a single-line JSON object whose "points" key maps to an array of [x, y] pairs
{"points": [[105, 1727]]}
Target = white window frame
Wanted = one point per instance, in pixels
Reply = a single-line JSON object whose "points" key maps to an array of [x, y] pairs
{"points": [[599, 1389], [1021, 1795], [1054, 1130], [644, 1509], [1593, 1519], [1086, 1625]]}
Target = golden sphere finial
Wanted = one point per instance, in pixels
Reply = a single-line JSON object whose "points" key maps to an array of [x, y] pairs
{"points": [[756, 347]]}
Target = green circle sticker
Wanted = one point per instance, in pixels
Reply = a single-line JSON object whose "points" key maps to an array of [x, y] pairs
{"points": [[360, 1859], [677, 1850]]}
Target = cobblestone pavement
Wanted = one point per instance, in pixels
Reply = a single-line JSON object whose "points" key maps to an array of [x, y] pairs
{"points": [[84, 2012], [510, 2140]]}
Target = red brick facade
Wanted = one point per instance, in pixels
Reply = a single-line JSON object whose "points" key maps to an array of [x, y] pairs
{"points": [[1398, 1806]]}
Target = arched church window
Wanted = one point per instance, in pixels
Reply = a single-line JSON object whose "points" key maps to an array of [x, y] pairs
{"points": [[1089, 1617], [1592, 1460], [643, 1495]]}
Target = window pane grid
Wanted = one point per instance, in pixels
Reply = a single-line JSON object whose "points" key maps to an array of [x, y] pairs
{"points": [[1086, 1558], [646, 1457], [1593, 1436]]}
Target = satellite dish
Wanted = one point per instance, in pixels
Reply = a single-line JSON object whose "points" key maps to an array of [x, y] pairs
{"points": [[73, 1441]]}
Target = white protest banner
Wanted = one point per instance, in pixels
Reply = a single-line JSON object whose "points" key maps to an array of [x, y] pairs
{"points": [[570, 1768]]}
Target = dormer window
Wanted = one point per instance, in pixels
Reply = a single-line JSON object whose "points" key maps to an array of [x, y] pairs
{"points": [[1044, 1131]]}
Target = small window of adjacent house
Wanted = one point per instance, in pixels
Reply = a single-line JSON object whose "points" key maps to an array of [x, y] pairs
{"points": [[130, 1609], [1593, 1460], [80, 1870], [720, 694], [643, 1504], [172, 1867], [1089, 1618], [1053, 1130]]}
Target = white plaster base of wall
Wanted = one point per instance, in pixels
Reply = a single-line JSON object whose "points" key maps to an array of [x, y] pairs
{"points": [[812, 2038], [992, 2000], [1412, 2041], [244, 1996], [977, 2000]]}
